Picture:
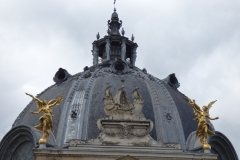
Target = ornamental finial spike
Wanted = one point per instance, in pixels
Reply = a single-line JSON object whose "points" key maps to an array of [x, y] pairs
{"points": [[203, 130], [98, 36], [114, 6], [46, 123], [132, 38]]}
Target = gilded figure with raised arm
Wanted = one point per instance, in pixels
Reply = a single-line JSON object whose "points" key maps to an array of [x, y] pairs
{"points": [[203, 129], [46, 123]]}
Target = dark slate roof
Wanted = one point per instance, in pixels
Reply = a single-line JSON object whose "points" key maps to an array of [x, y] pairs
{"points": [[185, 111], [160, 98]]}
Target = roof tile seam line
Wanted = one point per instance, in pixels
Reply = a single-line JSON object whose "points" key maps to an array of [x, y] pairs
{"points": [[83, 133], [176, 114], [169, 123], [155, 102], [65, 112]]}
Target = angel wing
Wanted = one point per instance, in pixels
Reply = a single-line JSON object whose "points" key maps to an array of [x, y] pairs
{"points": [[39, 103], [196, 109], [56, 101], [210, 105]]}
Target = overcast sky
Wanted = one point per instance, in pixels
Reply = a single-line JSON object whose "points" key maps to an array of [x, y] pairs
{"points": [[197, 40]]}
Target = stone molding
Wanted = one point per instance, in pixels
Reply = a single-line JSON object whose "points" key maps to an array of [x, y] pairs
{"points": [[96, 152]]}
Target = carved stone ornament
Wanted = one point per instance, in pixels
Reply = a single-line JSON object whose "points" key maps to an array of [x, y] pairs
{"points": [[127, 158], [124, 129], [125, 124], [119, 107]]}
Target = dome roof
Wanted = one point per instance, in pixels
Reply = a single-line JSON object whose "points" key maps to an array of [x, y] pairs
{"points": [[114, 15], [84, 92]]}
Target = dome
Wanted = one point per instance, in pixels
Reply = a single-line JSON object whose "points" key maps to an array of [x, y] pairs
{"points": [[84, 94], [114, 15]]}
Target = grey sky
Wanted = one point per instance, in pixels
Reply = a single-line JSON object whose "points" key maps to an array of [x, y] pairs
{"points": [[197, 40]]}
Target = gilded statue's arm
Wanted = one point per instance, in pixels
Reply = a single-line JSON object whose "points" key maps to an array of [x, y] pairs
{"points": [[196, 119], [35, 98], [212, 118], [53, 104], [36, 112]]}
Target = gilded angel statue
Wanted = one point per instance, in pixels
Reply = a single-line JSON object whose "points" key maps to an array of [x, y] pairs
{"points": [[45, 121], [203, 130]]}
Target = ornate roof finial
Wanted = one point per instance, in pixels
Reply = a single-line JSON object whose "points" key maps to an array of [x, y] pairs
{"points": [[123, 32], [114, 24], [132, 38], [98, 36], [114, 6]]}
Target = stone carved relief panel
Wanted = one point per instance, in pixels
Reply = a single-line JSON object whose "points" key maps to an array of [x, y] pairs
{"points": [[97, 106], [76, 109], [125, 129], [73, 121], [124, 123], [120, 107]]}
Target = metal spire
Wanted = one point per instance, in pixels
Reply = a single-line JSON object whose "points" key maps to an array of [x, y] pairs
{"points": [[132, 38], [114, 5], [114, 24], [97, 36]]}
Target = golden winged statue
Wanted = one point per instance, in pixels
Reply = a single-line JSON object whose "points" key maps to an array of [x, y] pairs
{"points": [[203, 129], [45, 121]]}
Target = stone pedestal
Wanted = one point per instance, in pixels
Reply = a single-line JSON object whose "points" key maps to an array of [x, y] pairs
{"points": [[126, 132], [42, 146]]}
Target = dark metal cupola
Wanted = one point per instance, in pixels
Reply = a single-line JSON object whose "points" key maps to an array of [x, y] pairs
{"points": [[114, 24], [114, 47]]}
